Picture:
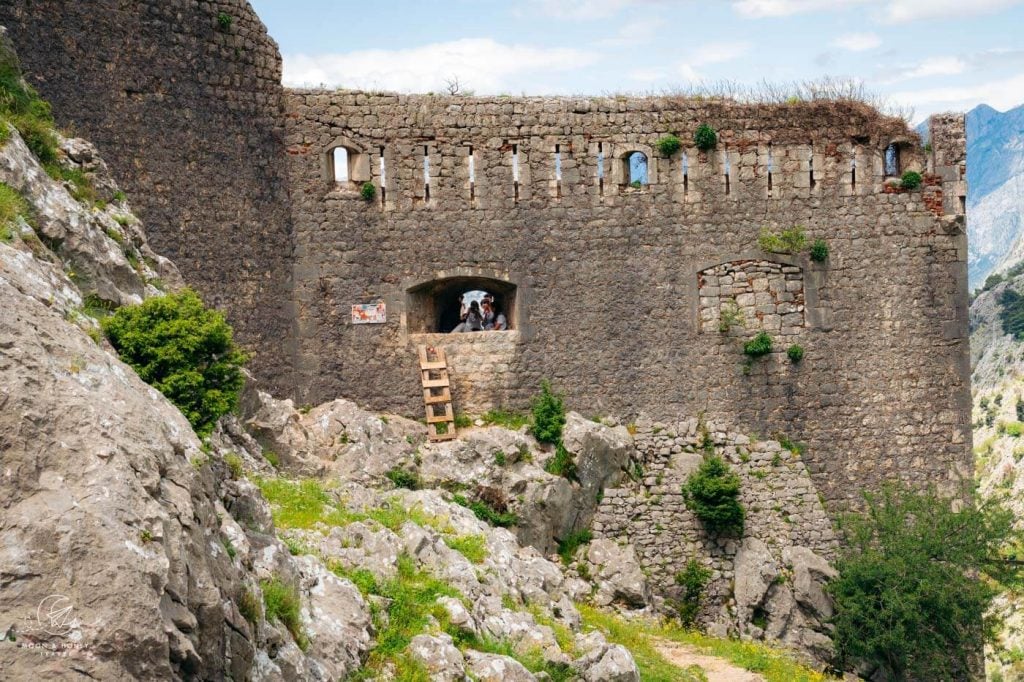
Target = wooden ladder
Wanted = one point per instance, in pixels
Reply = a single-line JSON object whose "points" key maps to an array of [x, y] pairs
{"points": [[437, 393]]}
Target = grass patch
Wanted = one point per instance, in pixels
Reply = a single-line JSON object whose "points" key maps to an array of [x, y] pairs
{"points": [[281, 604], [486, 512], [562, 464], [12, 205], [473, 547], [638, 636], [301, 504], [573, 541]]}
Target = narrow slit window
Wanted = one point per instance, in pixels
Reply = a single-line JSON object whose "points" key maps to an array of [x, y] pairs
{"points": [[426, 174], [472, 176], [853, 170], [515, 170], [383, 177], [771, 169], [728, 172], [810, 169], [558, 171], [340, 164], [600, 168], [686, 172]]}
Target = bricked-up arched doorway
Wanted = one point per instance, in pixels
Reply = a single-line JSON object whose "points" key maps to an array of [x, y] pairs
{"points": [[434, 306]]}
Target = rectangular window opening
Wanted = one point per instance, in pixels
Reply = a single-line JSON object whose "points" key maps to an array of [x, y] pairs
{"points": [[771, 168], [853, 172], [728, 172], [600, 168], [810, 170], [472, 176]]}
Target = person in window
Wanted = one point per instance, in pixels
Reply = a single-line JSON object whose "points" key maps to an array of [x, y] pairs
{"points": [[474, 321], [497, 322], [487, 312]]}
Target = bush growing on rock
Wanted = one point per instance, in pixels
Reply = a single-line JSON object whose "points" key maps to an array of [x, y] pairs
{"points": [[917, 576], [705, 138], [403, 478], [692, 580], [184, 350], [669, 145], [911, 180], [281, 604], [548, 415], [712, 493]]}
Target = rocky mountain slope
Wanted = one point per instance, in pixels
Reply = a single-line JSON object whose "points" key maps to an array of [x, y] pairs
{"points": [[995, 177]]}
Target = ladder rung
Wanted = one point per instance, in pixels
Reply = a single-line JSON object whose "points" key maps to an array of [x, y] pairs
{"points": [[441, 419], [440, 364], [442, 436], [434, 399], [436, 383]]}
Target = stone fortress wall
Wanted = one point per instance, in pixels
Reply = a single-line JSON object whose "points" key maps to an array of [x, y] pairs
{"points": [[189, 116], [617, 290], [614, 291]]}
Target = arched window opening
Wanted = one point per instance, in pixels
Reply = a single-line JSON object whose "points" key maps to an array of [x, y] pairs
{"points": [[346, 166], [462, 304], [340, 164], [635, 168]]}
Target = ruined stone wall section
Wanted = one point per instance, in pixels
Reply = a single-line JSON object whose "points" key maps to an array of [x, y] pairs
{"points": [[607, 276], [783, 510], [757, 295], [188, 114]]}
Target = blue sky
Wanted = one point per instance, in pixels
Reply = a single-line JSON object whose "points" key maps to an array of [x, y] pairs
{"points": [[929, 55]]}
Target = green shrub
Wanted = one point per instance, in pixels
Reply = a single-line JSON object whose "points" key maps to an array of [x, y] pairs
{"points": [[403, 478], [548, 415], [473, 547], [910, 180], [712, 493], [562, 464], [759, 345], [224, 21], [1014, 429], [819, 251], [917, 575], [234, 464], [669, 145], [249, 606], [486, 512], [636, 184], [791, 240], [692, 579], [568, 545], [12, 205], [795, 353], [1011, 313], [368, 191], [705, 138], [183, 349], [281, 604], [272, 458], [729, 316]]}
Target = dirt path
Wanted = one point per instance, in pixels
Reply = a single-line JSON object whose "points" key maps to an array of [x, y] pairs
{"points": [[716, 669]]}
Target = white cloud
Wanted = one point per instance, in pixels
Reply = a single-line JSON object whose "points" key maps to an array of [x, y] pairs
{"points": [[857, 42], [935, 66], [635, 32], [886, 11], [582, 9], [902, 11], [757, 9], [1001, 94], [711, 53], [481, 64]]}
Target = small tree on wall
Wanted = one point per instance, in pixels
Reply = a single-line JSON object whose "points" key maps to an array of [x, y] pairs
{"points": [[712, 493]]}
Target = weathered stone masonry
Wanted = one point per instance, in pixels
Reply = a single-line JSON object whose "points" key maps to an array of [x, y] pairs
{"points": [[613, 289], [609, 279], [189, 117]]}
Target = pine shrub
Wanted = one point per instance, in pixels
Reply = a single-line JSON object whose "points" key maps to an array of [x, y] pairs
{"points": [[548, 415], [712, 493], [184, 350], [705, 138], [819, 251], [368, 191], [668, 145], [911, 180]]}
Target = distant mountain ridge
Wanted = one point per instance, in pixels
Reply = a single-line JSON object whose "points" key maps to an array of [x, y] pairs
{"points": [[995, 191]]}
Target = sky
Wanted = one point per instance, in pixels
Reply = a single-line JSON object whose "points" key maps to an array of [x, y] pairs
{"points": [[922, 56]]}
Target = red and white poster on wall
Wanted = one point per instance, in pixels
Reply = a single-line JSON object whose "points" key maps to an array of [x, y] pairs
{"points": [[369, 313]]}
